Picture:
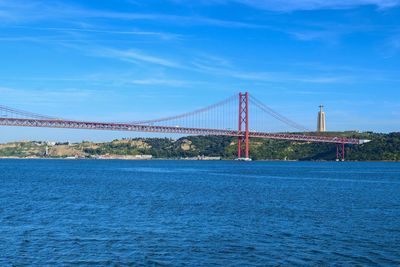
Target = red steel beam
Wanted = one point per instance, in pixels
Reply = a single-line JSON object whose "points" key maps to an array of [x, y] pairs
{"points": [[247, 125]]}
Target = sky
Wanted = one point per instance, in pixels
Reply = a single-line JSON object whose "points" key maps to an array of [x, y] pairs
{"points": [[127, 60]]}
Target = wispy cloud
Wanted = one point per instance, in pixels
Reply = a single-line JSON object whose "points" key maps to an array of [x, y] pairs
{"points": [[21, 11], [163, 82], [18, 11], [265, 76], [297, 72], [93, 29], [175, 19], [293, 5], [105, 80], [395, 42], [390, 47], [86, 47], [49, 97], [327, 36], [134, 56]]}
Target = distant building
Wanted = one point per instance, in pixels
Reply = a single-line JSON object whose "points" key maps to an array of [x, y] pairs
{"points": [[321, 123]]}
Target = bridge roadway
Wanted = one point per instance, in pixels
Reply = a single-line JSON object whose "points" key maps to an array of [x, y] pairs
{"points": [[69, 124]]}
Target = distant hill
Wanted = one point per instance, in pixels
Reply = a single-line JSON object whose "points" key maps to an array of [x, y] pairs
{"points": [[382, 147]]}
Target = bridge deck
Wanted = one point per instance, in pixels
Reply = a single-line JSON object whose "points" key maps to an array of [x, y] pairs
{"points": [[69, 124]]}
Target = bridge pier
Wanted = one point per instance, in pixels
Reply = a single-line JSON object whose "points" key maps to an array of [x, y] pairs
{"points": [[340, 152]]}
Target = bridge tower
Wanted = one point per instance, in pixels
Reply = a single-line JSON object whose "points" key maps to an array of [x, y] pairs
{"points": [[243, 129]]}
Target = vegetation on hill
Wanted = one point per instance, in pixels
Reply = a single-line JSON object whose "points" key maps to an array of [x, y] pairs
{"points": [[381, 147]]}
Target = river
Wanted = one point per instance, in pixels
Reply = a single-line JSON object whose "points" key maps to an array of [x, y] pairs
{"points": [[198, 213]]}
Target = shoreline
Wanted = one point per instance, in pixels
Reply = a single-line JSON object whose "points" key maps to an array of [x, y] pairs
{"points": [[189, 159]]}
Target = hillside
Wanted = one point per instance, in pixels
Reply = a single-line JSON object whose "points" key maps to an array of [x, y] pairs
{"points": [[382, 147]]}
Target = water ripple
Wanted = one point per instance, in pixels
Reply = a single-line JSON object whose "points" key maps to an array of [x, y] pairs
{"points": [[178, 213]]}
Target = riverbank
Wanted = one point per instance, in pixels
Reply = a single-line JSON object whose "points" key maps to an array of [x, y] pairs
{"points": [[383, 147]]}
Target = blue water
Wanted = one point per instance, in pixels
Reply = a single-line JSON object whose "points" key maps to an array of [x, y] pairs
{"points": [[194, 213]]}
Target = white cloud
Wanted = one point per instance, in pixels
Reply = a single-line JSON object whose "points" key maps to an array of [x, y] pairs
{"points": [[391, 47], [92, 29], [265, 76], [293, 5], [45, 97], [18, 11], [163, 82], [135, 56], [316, 35]]}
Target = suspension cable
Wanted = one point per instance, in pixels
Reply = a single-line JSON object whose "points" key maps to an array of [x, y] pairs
{"points": [[277, 115], [187, 114], [26, 113]]}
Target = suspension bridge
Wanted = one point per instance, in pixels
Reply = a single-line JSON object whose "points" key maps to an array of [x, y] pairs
{"points": [[242, 116]]}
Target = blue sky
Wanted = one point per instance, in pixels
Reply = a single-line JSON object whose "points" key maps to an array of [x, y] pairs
{"points": [[126, 60]]}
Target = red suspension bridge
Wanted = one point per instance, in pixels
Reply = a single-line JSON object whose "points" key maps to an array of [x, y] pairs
{"points": [[240, 116]]}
